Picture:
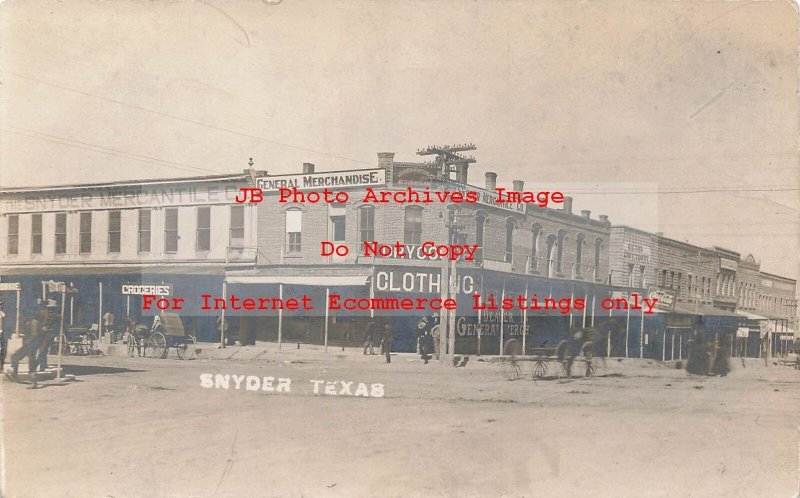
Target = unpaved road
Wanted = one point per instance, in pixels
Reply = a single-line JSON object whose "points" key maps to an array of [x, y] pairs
{"points": [[144, 427]]}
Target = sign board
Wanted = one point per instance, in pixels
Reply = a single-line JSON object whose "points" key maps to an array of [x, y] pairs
{"points": [[742, 332], [638, 253], [666, 300], [10, 286], [418, 281], [728, 264], [122, 198], [333, 179], [53, 286], [147, 289]]}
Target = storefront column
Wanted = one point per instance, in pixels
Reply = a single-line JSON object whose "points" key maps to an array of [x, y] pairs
{"points": [[16, 327], [627, 329], [585, 298], [641, 336]]}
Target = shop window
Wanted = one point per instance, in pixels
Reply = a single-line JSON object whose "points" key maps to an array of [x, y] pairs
{"points": [[236, 231], [203, 236], [86, 232], [13, 234], [61, 233], [412, 232], [171, 230], [366, 224], [36, 234], [294, 229], [114, 231], [144, 230]]}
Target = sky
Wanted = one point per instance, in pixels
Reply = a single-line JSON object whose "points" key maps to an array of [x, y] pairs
{"points": [[678, 117]]}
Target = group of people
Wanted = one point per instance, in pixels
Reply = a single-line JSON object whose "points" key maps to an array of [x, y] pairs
{"points": [[386, 334], [43, 328], [705, 359]]}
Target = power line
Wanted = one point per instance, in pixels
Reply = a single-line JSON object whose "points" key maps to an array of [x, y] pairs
{"points": [[105, 150], [185, 120]]}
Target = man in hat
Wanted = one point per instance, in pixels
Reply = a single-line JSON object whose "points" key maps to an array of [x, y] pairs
{"points": [[30, 346], [48, 321]]}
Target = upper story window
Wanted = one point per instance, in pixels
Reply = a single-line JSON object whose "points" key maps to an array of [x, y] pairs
{"points": [[144, 230], [294, 229], [114, 231], [203, 228], [536, 235], [171, 230], [36, 234], [236, 231], [412, 231], [86, 232], [61, 233], [509, 240], [13, 234], [366, 224]]}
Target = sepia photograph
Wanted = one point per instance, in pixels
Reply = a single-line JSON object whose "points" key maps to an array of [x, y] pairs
{"points": [[442, 248]]}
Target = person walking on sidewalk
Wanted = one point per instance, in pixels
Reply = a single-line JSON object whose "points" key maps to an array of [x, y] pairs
{"points": [[386, 341], [369, 341], [30, 346]]}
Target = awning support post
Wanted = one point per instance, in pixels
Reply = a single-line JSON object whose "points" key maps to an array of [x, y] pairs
{"points": [[280, 317], [327, 308], [222, 315]]}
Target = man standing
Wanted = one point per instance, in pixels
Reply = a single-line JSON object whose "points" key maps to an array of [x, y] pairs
{"points": [[50, 329], [369, 341], [30, 346], [387, 341]]}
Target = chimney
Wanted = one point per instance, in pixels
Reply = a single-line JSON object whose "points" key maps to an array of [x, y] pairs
{"points": [[586, 213], [567, 207], [604, 218], [491, 181], [518, 185], [385, 159], [461, 172], [659, 234], [308, 168]]}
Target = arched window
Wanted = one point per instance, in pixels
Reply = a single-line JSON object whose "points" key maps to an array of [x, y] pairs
{"points": [[509, 240], [598, 249], [562, 236], [551, 252], [579, 254], [536, 231], [412, 231], [366, 224]]}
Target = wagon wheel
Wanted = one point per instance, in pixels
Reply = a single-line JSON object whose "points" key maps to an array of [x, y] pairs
{"points": [[539, 370], [564, 371], [511, 370], [187, 351], [157, 345]]}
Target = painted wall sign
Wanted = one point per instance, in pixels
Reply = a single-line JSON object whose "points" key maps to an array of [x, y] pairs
{"points": [[338, 179]]}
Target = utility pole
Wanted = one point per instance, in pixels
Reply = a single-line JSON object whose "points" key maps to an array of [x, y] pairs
{"points": [[448, 160], [449, 289]]}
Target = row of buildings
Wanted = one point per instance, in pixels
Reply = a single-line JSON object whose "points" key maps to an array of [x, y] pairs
{"points": [[191, 237]]}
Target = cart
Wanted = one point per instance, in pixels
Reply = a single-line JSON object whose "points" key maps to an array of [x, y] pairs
{"points": [[168, 332], [540, 357]]}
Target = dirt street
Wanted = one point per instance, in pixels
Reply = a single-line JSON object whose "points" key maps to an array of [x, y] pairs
{"points": [[144, 427]]}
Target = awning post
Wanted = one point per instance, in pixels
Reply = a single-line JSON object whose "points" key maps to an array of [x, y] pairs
{"points": [[525, 321], [280, 317], [100, 311], [327, 308], [222, 315], [502, 318]]}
